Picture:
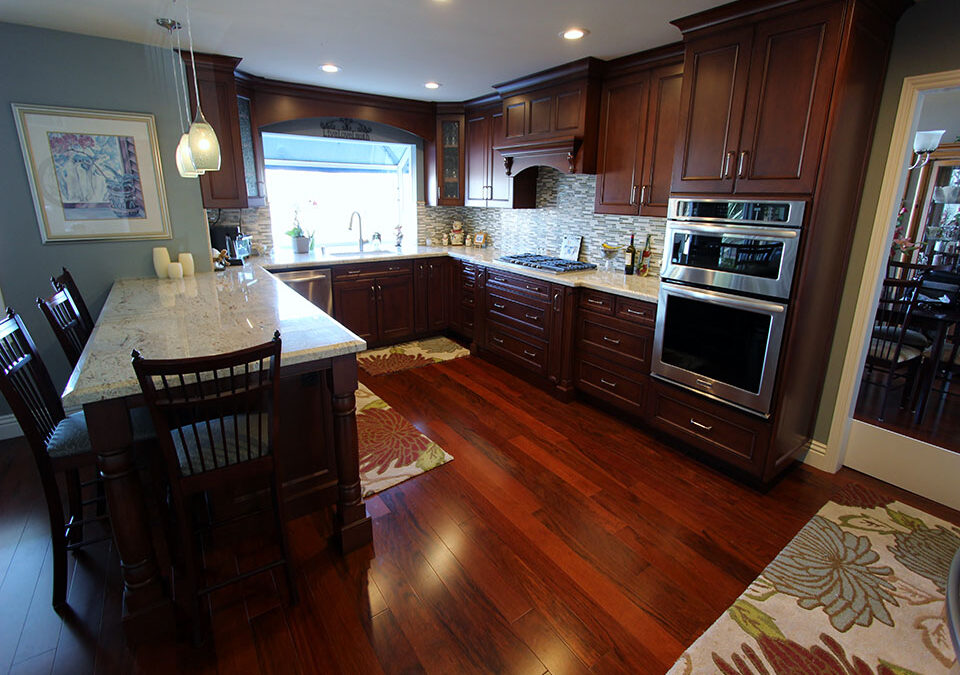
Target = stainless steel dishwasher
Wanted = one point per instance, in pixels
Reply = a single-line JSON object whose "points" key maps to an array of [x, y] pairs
{"points": [[312, 284]]}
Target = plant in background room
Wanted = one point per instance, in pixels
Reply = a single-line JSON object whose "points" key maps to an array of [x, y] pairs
{"points": [[302, 239]]}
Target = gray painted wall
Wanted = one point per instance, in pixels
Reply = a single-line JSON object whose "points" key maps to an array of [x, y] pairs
{"points": [[925, 42], [64, 69]]}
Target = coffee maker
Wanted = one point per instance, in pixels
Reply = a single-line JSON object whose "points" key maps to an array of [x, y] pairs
{"points": [[229, 238]]}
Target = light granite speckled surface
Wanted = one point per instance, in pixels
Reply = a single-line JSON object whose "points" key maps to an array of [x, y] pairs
{"points": [[197, 316], [640, 288]]}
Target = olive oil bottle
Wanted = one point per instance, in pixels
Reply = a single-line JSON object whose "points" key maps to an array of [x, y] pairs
{"points": [[643, 265], [630, 257]]}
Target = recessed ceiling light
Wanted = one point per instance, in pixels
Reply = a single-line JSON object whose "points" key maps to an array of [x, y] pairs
{"points": [[432, 85], [574, 33], [330, 68]]}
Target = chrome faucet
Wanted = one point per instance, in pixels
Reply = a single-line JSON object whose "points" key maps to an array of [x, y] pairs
{"points": [[361, 242]]}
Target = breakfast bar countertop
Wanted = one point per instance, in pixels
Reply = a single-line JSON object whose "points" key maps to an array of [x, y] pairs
{"points": [[206, 314], [618, 283]]}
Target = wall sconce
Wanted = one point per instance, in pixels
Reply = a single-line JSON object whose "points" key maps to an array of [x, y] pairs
{"points": [[924, 143]]}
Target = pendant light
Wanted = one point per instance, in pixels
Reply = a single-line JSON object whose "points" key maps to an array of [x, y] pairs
{"points": [[202, 139], [184, 159]]}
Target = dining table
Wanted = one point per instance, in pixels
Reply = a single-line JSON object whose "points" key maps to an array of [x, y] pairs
{"points": [[201, 315], [936, 318]]}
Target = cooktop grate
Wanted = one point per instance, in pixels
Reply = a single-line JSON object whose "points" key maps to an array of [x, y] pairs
{"points": [[547, 263]]}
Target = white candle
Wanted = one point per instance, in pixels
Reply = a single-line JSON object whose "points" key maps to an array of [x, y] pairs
{"points": [[161, 261], [175, 270], [186, 260]]}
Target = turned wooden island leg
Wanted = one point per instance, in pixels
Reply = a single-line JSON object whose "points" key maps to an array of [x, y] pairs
{"points": [[353, 525], [147, 610]]}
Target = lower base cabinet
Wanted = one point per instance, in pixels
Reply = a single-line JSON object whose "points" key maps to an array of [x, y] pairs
{"points": [[375, 301]]}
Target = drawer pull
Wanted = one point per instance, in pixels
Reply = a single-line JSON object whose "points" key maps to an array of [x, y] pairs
{"points": [[700, 426], [612, 385], [532, 317], [394, 269], [354, 271], [500, 279], [499, 341], [611, 340], [595, 302], [532, 355], [635, 312], [499, 306], [532, 288]]}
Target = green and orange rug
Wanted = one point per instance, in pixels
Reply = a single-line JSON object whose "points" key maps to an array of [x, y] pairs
{"points": [[858, 591], [391, 449], [410, 355]]}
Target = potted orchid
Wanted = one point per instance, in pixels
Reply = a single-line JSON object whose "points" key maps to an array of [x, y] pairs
{"points": [[302, 239]]}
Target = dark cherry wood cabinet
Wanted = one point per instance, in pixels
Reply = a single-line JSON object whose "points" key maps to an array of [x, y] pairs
{"points": [[450, 159], [375, 300], [432, 290], [755, 104], [395, 311], [355, 306], [486, 182], [463, 298], [638, 124]]}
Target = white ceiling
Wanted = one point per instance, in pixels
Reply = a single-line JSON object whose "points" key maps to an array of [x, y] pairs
{"points": [[384, 46]]}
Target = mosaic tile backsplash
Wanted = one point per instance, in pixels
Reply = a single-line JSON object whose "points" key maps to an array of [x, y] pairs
{"points": [[564, 207]]}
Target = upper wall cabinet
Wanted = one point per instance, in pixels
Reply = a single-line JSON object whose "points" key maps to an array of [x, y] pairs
{"points": [[638, 126], [486, 182], [239, 182], [450, 159], [550, 118], [755, 102]]}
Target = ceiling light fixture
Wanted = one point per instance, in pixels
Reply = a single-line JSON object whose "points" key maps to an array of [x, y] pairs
{"points": [[204, 146], [185, 165], [574, 33], [432, 85], [330, 68]]}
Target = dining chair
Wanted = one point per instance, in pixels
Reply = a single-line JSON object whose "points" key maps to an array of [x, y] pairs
{"points": [[217, 421], [64, 282], [59, 444], [63, 315], [890, 348]]}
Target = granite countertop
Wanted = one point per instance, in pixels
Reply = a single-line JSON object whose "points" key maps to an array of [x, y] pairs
{"points": [[197, 316], [640, 288]]}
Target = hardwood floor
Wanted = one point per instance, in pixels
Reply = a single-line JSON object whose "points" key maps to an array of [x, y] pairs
{"points": [[559, 540]]}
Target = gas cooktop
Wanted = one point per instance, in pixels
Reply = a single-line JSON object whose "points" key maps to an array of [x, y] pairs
{"points": [[547, 263]]}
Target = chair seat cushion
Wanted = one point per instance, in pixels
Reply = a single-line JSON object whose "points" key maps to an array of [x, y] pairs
{"points": [[239, 446], [883, 350], [71, 438], [911, 337]]}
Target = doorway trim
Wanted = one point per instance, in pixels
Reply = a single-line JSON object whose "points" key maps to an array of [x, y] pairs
{"points": [[901, 148]]}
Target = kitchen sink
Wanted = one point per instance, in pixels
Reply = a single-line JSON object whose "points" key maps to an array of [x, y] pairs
{"points": [[361, 253]]}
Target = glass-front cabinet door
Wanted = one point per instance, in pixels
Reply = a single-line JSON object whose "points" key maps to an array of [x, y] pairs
{"points": [[934, 227], [450, 160]]}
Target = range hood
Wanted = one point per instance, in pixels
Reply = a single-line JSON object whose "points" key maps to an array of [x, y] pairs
{"points": [[559, 152]]}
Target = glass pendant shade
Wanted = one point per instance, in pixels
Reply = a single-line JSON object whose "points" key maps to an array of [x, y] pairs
{"points": [[185, 160], [204, 146]]}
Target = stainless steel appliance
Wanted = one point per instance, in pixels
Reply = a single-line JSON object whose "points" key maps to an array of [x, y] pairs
{"points": [[547, 263], [229, 238], [315, 285], [726, 278]]}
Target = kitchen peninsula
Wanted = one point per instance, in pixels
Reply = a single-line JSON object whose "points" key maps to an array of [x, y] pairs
{"points": [[207, 314]]}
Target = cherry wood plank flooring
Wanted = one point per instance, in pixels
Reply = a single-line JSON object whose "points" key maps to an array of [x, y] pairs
{"points": [[559, 540]]}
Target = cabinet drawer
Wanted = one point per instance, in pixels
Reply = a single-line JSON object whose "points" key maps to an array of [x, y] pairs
{"points": [[735, 437], [520, 284], [636, 311], [468, 298], [466, 320], [597, 301], [597, 378], [527, 351], [527, 317], [468, 270], [374, 269], [623, 343]]}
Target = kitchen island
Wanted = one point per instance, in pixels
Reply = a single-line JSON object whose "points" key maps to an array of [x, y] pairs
{"points": [[202, 315]]}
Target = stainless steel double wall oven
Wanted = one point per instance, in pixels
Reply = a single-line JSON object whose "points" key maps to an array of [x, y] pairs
{"points": [[726, 280]]}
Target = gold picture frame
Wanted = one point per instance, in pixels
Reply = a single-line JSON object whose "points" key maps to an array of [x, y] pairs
{"points": [[94, 174], [480, 239]]}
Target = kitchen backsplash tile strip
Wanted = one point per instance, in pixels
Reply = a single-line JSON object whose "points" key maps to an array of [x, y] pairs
{"points": [[564, 207]]}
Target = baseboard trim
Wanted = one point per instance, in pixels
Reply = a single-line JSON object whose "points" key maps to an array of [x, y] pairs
{"points": [[9, 427], [815, 455]]}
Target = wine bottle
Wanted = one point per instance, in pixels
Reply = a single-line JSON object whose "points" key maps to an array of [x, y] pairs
{"points": [[630, 257], [644, 264]]}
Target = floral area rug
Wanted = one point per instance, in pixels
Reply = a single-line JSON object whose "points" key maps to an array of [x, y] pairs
{"points": [[410, 355], [391, 449], [858, 591]]}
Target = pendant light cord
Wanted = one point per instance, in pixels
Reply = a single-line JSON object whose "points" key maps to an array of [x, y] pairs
{"points": [[176, 77], [182, 92], [193, 61]]}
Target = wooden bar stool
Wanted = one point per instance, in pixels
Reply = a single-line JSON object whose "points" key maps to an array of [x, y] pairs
{"points": [[59, 443], [216, 422]]}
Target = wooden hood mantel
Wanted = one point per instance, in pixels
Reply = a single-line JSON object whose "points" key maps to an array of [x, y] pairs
{"points": [[559, 152]]}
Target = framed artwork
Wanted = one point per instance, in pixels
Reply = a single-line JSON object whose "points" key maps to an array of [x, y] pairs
{"points": [[94, 174], [480, 239]]}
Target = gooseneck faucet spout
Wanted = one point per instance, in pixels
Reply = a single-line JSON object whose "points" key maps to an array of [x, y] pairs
{"points": [[359, 228]]}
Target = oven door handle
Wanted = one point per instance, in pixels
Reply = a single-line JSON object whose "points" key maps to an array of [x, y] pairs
{"points": [[725, 299], [685, 227]]}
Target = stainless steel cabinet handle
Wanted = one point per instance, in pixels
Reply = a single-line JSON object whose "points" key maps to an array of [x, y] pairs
{"points": [[595, 302], [373, 293], [700, 426], [393, 269], [637, 313], [501, 279], [728, 160], [611, 340], [531, 288], [532, 355], [499, 306], [643, 195], [742, 165], [438, 192], [609, 384], [633, 194], [532, 317], [499, 341], [354, 271]]}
